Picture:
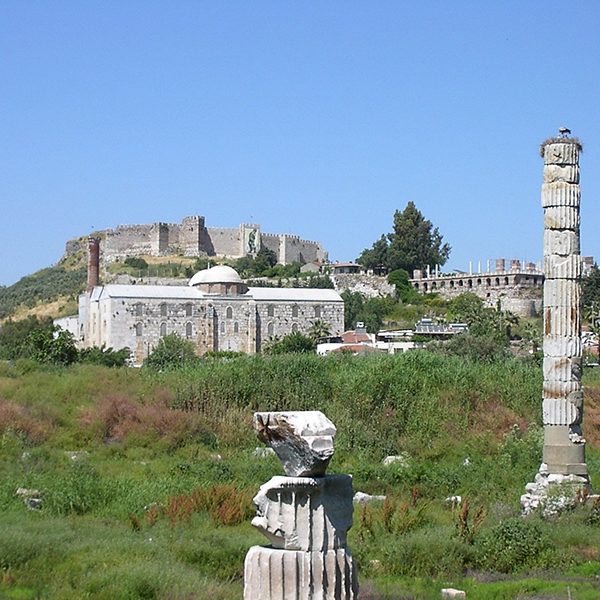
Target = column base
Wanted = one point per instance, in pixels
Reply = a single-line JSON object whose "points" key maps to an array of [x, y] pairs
{"points": [[553, 493], [276, 574]]}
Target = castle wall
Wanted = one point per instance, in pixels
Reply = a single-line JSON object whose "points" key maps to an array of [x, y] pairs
{"points": [[293, 249], [271, 242], [192, 233], [130, 240], [226, 241], [193, 238]]}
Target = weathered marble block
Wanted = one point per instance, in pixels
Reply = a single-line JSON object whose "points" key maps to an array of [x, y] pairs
{"points": [[561, 242], [560, 389], [562, 292], [562, 217], [560, 412], [302, 440], [274, 574], [555, 173], [560, 346], [562, 267], [563, 321], [561, 154], [560, 193], [305, 513], [561, 368]]}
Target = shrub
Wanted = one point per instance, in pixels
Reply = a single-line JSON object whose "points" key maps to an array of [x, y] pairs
{"points": [[476, 348], [14, 333], [225, 503], [104, 356], [291, 344], [52, 345], [514, 545], [136, 263], [425, 553], [171, 352], [19, 420], [118, 418]]}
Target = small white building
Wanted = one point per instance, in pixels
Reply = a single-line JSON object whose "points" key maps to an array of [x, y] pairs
{"points": [[216, 311]]}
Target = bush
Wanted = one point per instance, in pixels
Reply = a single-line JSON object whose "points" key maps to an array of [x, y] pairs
{"points": [[291, 344], [19, 420], [516, 544], [119, 418], [171, 352], [52, 345], [136, 263], [104, 356], [78, 491], [472, 347], [13, 335]]}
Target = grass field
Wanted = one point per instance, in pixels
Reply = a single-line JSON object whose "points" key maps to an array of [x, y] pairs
{"points": [[146, 478]]}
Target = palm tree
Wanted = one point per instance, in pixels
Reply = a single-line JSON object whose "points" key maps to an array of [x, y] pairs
{"points": [[318, 330]]}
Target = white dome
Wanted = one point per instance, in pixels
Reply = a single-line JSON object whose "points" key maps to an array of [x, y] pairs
{"points": [[197, 277], [218, 274]]}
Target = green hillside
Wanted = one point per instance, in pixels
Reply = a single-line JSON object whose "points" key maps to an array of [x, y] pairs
{"points": [[42, 287]]}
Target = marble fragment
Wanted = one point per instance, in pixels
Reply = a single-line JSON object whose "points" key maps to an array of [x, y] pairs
{"points": [[302, 440]]}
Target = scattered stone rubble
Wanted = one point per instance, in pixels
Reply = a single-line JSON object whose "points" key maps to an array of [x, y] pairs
{"points": [[31, 498], [453, 594], [305, 515], [362, 498]]}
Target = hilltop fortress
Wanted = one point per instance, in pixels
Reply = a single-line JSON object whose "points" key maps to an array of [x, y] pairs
{"points": [[191, 237]]}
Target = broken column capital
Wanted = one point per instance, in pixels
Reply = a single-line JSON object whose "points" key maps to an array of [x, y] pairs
{"points": [[303, 440]]}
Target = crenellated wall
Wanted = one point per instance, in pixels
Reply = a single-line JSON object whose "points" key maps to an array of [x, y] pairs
{"points": [[191, 237]]}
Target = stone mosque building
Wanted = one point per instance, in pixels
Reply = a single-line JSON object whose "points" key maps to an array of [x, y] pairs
{"points": [[216, 311]]}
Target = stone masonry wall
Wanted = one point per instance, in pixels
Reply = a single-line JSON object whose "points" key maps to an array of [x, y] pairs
{"points": [[226, 241], [517, 291], [193, 238]]}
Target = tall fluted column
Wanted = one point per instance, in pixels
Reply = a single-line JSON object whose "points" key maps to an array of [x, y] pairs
{"points": [[563, 462], [564, 446]]}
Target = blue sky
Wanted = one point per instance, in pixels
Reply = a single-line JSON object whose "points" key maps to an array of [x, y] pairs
{"points": [[313, 118]]}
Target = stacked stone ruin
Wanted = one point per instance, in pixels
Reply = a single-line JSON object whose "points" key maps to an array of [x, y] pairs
{"points": [[305, 515], [562, 406]]}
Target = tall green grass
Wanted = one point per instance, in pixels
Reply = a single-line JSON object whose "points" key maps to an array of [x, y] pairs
{"points": [[119, 521]]}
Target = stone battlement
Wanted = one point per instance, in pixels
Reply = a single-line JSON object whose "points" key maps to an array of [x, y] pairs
{"points": [[191, 237]]}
